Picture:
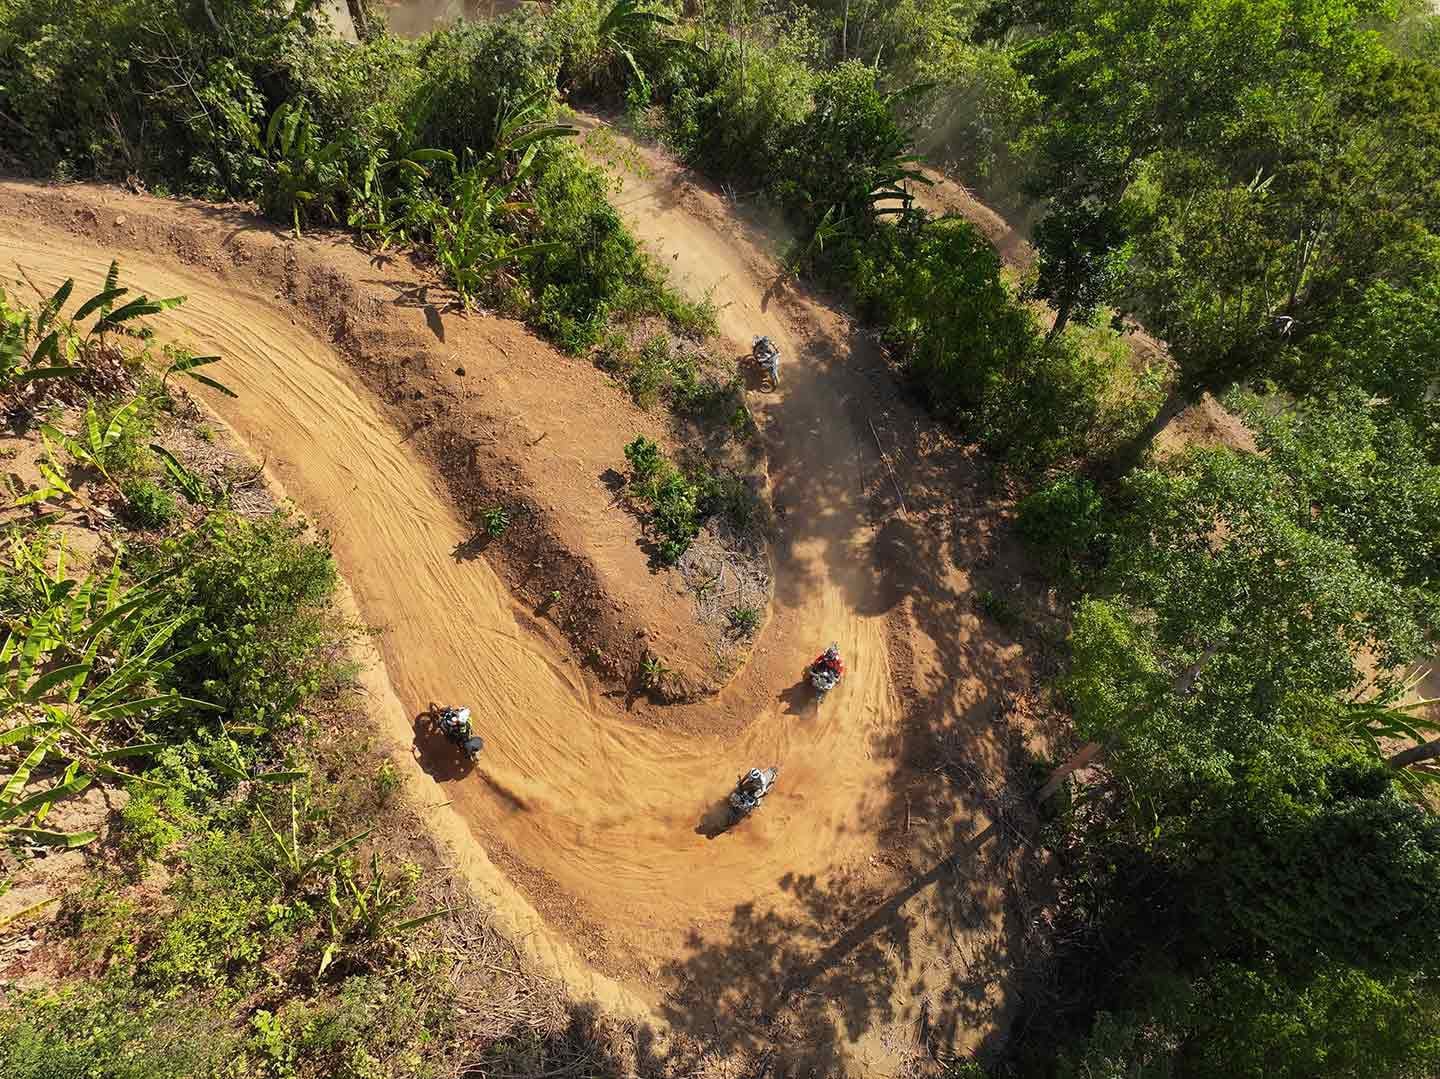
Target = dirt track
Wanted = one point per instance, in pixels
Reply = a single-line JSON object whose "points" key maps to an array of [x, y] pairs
{"points": [[603, 819]]}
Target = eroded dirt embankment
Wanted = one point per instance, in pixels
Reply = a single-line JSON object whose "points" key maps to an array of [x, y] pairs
{"points": [[348, 388]]}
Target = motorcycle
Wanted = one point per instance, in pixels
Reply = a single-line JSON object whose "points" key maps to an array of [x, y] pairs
{"points": [[765, 356], [454, 724], [827, 670], [750, 791]]}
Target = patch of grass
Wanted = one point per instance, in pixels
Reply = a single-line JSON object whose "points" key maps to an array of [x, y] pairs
{"points": [[148, 504], [744, 620]]}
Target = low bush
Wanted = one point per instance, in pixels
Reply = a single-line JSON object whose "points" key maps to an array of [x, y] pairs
{"points": [[679, 499], [148, 504], [1062, 523], [673, 501], [259, 593]]}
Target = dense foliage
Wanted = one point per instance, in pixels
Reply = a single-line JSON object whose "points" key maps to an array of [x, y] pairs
{"points": [[449, 142], [1245, 884]]}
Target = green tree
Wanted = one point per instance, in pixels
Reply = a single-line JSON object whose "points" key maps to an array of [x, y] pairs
{"points": [[1255, 168]]}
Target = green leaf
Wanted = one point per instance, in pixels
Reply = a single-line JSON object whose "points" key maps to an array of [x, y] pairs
{"points": [[92, 429], [141, 305], [47, 348], [21, 733], [345, 845], [38, 688], [415, 923], [100, 299], [430, 154], [44, 798], [54, 839], [189, 363], [239, 776], [281, 777], [160, 701], [116, 427], [21, 775], [37, 374], [54, 305]]}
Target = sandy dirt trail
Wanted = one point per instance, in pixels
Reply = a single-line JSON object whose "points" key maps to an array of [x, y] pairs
{"points": [[606, 809]]}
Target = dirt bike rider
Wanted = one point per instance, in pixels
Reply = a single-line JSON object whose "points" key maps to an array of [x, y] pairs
{"points": [[828, 669], [753, 786], [767, 356], [454, 723]]}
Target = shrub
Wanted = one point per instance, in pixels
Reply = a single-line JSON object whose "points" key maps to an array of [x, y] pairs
{"points": [[1062, 524], [935, 290], [672, 499], [260, 592], [745, 620], [149, 504], [470, 74], [496, 521]]}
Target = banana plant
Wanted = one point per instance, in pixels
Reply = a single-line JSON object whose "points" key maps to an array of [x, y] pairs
{"points": [[195, 488], [472, 229], [20, 364], [92, 445], [113, 318], [370, 911], [1368, 722], [59, 340], [185, 364], [299, 160], [73, 674], [297, 861], [373, 209], [624, 27]]}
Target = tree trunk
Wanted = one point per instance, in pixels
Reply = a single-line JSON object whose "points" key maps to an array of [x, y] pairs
{"points": [[1062, 318], [1079, 759], [1415, 754], [1132, 452], [357, 18]]}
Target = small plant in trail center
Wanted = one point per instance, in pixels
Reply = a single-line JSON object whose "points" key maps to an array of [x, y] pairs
{"points": [[745, 620], [653, 672], [496, 521]]}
